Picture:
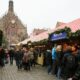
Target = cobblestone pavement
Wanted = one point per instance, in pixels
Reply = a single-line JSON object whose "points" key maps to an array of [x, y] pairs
{"points": [[37, 73]]}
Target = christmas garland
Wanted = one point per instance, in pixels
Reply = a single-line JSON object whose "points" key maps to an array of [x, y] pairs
{"points": [[66, 29], [75, 34], [42, 42]]}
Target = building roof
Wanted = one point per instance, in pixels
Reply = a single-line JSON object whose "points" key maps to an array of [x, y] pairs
{"points": [[37, 31], [41, 36], [74, 25], [36, 38]]}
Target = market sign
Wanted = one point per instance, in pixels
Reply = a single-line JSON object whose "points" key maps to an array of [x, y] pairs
{"points": [[59, 36]]}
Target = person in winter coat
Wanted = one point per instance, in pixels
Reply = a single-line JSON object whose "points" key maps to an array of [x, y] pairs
{"points": [[49, 60], [26, 60], [76, 76], [59, 60], [18, 58], [54, 60], [69, 63], [6, 56], [35, 56], [11, 55], [2, 57], [31, 53]]}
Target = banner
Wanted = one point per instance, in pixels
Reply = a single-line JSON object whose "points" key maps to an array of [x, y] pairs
{"points": [[59, 36]]}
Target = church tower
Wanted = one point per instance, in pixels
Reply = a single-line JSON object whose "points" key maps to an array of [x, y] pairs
{"points": [[11, 6], [12, 27]]}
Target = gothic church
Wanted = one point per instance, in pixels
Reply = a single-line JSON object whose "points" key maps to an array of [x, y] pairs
{"points": [[13, 29]]}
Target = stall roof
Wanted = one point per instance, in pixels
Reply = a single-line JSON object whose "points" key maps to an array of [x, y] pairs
{"points": [[24, 42], [36, 38], [41, 36], [74, 25]]}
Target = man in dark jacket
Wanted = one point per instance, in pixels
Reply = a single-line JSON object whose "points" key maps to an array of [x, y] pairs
{"points": [[11, 55], [70, 63], [77, 73], [18, 57], [49, 60]]}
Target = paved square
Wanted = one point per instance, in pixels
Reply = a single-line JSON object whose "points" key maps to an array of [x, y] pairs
{"points": [[36, 73]]}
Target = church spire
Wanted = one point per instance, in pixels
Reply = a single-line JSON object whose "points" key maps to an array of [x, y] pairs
{"points": [[11, 6]]}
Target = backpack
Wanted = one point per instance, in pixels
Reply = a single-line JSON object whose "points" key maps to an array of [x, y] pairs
{"points": [[70, 63]]}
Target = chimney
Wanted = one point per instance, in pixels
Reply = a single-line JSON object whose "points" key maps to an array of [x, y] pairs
{"points": [[11, 6]]}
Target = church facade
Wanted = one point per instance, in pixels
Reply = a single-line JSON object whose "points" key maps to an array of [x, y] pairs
{"points": [[13, 29]]}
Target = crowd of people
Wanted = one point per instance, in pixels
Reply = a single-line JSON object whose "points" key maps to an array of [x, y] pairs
{"points": [[24, 57], [64, 63]]}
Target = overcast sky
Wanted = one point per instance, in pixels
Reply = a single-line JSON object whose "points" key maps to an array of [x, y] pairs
{"points": [[43, 13]]}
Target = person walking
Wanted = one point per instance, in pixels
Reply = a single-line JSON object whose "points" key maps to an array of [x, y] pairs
{"points": [[11, 55], [49, 60], [26, 59], [59, 60], [31, 53], [69, 62], [2, 57], [18, 58], [54, 60], [6, 56]]}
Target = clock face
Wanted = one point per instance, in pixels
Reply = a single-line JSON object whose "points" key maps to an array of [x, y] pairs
{"points": [[12, 21]]}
